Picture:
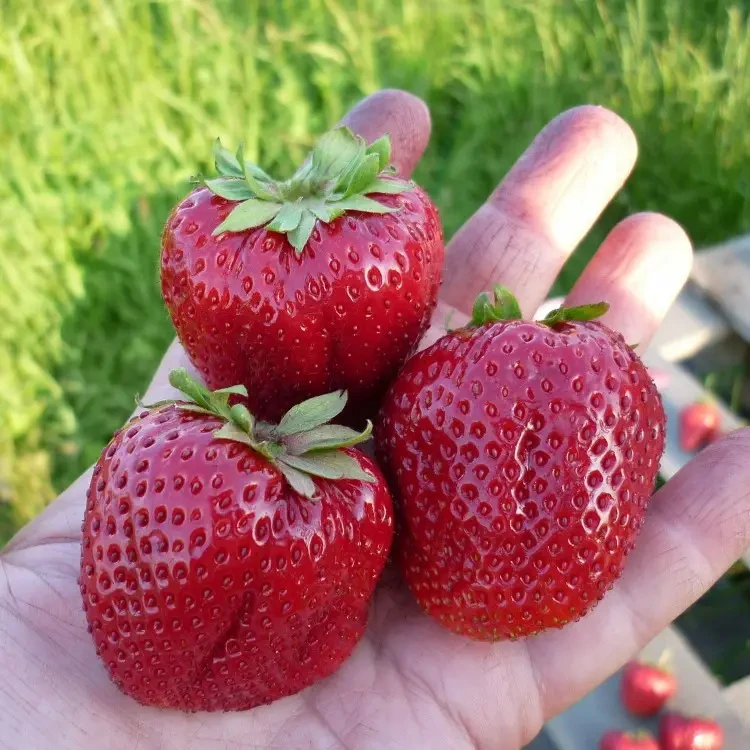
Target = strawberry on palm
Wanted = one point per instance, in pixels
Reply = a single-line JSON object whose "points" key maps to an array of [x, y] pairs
{"points": [[228, 562], [522, 456], [296, 288]]}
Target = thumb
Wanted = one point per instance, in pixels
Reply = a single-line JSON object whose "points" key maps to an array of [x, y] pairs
{"points": [[159, 388]]}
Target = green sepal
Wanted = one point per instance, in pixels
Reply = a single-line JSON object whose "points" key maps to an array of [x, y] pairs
{"points": [[242, 417], [326, 212], [499, 306], [231, 188], [231, 431], [248, 215], [287, 218], [299, 236], [347, 466], [237, 390], [326, 437], [359, 176], [226, 162], [581, 313], [387, 187], [382, 149], [328, 465], [300, 482], [301, 446], [312, 413], [182, 381], [337, 176], [334, 152], [311, 466], [364, 204], [193, 408], [266, 191]]}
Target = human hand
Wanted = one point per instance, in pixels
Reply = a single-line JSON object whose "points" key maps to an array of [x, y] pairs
{"points": [[410, 683]]}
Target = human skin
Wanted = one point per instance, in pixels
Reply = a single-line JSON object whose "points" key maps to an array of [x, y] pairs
{"points": [[411, 683]]}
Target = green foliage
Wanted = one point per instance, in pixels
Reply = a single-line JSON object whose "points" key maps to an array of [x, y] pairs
{"points": [[108, 107]]}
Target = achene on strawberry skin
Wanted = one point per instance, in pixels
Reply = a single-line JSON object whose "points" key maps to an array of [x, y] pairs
{"points": [[299, 287], [522, 456], [228, 562]]}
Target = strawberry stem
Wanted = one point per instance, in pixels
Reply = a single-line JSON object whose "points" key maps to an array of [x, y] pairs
{"points": [[303, 445], [338, 175]]}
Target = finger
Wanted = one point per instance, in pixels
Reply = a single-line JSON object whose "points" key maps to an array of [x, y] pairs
{"points": [[403, 116], [444, 318], [639, 269], [525, 231], [160, 389], [697, 526]]}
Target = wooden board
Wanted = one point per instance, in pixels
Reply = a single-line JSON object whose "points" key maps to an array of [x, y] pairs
{"points": [[737, 696], [692, 324], [723, 272], [679, 389]]}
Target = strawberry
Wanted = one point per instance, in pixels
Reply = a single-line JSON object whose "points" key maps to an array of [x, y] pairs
{"points": [[700, 423], [625, 741], [301, 287], [227, 562], [645, 688], [677, 732], [522, 456]]}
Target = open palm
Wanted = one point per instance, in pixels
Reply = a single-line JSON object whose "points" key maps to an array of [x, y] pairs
{"points": [[410, 684]]}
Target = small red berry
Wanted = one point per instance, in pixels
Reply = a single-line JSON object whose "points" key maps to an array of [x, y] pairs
{"points": [[700, 424], [646, 688], [677, 732], [623, 741]]}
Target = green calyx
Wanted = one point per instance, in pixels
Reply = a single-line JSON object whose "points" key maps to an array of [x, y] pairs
{"points": [[341, 171], [302, 446], [501, 305]]}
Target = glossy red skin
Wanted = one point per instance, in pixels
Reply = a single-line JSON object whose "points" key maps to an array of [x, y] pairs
{"points": [[345, 314], [699, 425], [677, 732], [522, 460], [207, 582], [645, 688], [624, 741]]}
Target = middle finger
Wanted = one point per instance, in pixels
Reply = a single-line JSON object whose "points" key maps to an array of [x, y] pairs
{"points": [[546, 204]]}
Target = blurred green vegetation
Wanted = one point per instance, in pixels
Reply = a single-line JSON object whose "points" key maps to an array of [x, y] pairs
{"points": [[108, 106]]}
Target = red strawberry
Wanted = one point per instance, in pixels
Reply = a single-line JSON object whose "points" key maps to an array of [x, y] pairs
{"points": [[645, 688], [216, 573], [700, 423], [321, 282], [677, 732], [523, 455], [625, 741]]}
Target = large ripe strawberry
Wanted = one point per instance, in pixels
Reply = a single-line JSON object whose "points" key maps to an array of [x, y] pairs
{"points": [[522, 455], [624, 741], [678, 732], [227, 562], [297, 288], [645, 688]]}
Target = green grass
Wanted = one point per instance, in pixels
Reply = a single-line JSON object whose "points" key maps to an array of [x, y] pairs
{"points": [[109, 105]]}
